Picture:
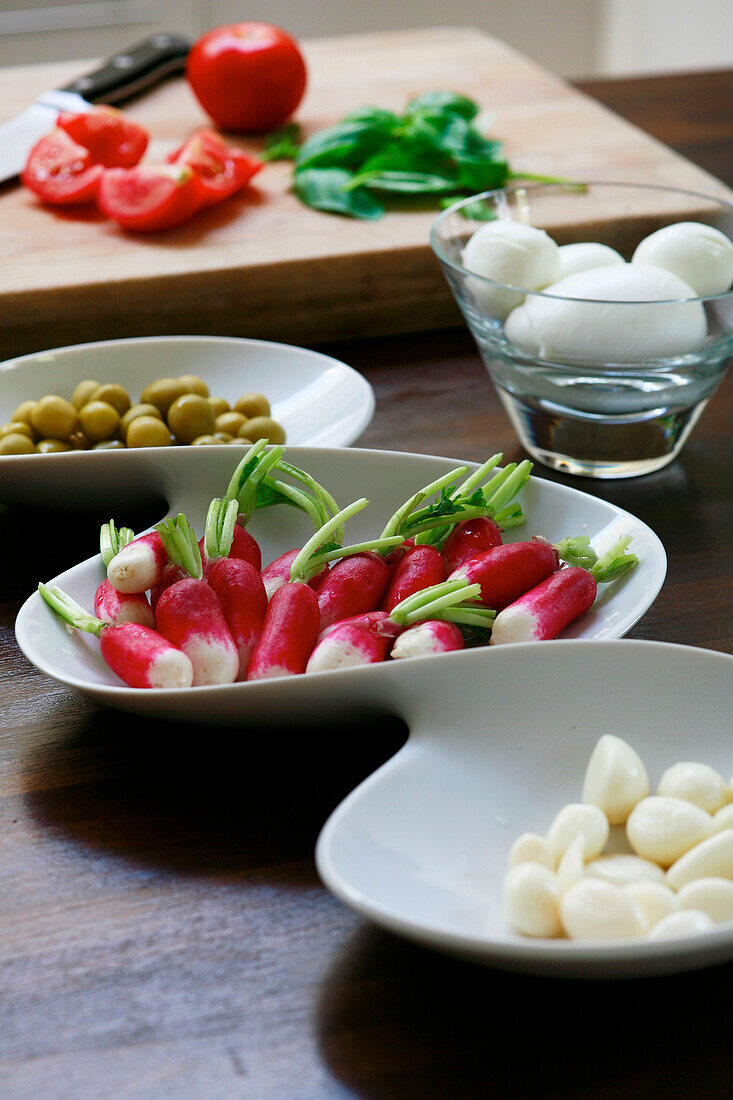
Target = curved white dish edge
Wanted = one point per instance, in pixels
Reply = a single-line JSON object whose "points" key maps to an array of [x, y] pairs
{"points": [[420, 846]]}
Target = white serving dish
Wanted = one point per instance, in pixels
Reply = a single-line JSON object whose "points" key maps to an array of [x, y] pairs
{"points": [[319, 401], [189, 477], [495, 749]]}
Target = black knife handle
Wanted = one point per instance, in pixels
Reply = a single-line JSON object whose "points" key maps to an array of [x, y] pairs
{"points": [[133, 70]]}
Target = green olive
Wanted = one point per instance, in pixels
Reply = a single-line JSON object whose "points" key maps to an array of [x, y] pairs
{"points": [[189, 417], [16, 444], [109, 445], [252, 404], [23, 413], [263, 427], [219, 405], [194, 384], [52, 446], [162, 393], [230, 422], [115, 395], [242, 439], [54, 417], [206, 440], [99, 421], [132, 414], [224, 437], [79, 441], [83, 393], [148, 431], [17, 427]]}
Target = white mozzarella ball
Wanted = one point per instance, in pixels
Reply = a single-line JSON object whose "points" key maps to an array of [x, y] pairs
{"points": [[620, 870], [519, 331], [511, 253], [655, 899], [571, 867], [713, 896], [687, 922], [573, 820], [586, 256], [697, 253], [615, 779], [711, 858], [663, 828], [723, 818], [655, 321], [696, 783], [596, 910], [531, 900], [531, 848]]}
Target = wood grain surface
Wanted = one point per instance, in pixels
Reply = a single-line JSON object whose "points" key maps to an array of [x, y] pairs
{"points": [[163, 933], [262, 264]]}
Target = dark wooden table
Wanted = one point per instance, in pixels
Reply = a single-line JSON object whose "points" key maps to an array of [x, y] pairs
{"points": [[163, 932]]}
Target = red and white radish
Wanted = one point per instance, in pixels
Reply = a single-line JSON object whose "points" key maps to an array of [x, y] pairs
{"points": [[423, 639], [361, 640], [288, 635], [243, 600], [420, 567], [469, 538], [139, 565], [189, 615], [112, 606], [506, 572], [353, 585], [277, 573]]}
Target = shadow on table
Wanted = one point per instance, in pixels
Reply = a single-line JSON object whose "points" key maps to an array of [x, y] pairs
{"points": [[201, 800], [395, 1021]]}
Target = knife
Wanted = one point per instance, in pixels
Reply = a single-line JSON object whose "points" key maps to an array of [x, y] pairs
{"points": [[119, 78]]}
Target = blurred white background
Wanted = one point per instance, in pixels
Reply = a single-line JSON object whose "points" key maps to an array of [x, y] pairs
{"points": [[575, 38]]}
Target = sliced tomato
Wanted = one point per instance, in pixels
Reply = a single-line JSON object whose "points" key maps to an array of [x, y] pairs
{"points": [[150, 197], [62, 172], [223, 169], [112, 138]]}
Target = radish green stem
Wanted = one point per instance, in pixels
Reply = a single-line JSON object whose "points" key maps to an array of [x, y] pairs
{"points": [[397, 523], [112, 539], [179, 539], [511, 485], [477, 476], [247, 495], [244, 469], [577, 551], [449, 600], [301, 567], [289, 494], [219, 531], [322, 494], [377, 546], [615, 562], [72, 613]]}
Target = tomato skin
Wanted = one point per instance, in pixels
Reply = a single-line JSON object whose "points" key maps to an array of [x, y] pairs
{"points": [[150, 197], [222, 169], [249, 77], [62, 172], [113, 140]]}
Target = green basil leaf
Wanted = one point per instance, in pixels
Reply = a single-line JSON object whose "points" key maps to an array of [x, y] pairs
{"points": [[328, 189], [343, 146], [377, 117], [282, 144], [406, 183], [481, 175], [475, 212], [444, 102]]}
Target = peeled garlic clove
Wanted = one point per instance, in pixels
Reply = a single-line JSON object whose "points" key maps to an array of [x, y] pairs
{"points": [[713, 896], [723, 818], [696, 783], [531, 848], [687, 922], [663, 828], [655, 899], [531, 900], [573, 820], [596, 910], [711, 858], [620, 870], [571, 867], [615, 779]]}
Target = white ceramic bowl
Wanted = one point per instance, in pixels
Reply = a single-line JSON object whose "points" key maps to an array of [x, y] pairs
{"points": [[319, 401], [189, 477], [496, 747]]}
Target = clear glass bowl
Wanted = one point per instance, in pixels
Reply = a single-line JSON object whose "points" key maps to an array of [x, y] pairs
{"points": [[611, 388]]}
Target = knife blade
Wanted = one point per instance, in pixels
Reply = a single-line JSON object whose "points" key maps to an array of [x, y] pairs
{"points": [[119, 78]]}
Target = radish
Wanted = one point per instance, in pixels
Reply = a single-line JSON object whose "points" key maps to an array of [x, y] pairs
{"points": [[288, 635], [277, 573], [354, 585], [243, 600], [360, 640], [136, 653], [564, 596], [139, 565], [420, 567], [508, 571], [469, 538], [190, 616], [112, 606], [431, 636], [225, 537], [112, 539], [171, 573]]}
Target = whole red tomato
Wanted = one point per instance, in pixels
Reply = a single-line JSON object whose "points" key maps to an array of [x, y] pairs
{"points": [[249, 77]]}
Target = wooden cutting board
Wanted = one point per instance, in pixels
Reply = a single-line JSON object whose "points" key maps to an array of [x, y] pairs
{"points": [[265, 266]]}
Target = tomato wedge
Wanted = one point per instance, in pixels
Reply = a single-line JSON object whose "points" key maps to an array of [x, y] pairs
{"points": [[150, 197], [62, 172], [112, 138], [222, 169]]}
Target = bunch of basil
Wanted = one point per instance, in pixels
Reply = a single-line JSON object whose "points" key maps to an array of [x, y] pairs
{"points": [[433, 149]]}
